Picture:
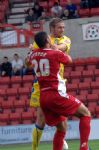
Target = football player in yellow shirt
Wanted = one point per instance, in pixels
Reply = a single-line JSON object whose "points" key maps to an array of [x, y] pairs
{"points": [[61, 42]]}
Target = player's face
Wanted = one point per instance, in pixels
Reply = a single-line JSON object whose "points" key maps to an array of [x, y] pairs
{"points": [[58, 30]]}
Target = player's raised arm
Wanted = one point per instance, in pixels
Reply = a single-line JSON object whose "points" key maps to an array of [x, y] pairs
{"points": [[64, 58]]}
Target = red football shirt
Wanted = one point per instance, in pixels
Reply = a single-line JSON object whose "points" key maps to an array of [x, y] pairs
{"points": [[46, 64]]}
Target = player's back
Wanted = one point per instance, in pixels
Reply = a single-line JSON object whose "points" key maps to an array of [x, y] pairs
{"points": [[46, 64]]}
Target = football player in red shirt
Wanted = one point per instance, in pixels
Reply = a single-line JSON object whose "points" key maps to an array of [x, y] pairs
{"points": [[55, 102]]}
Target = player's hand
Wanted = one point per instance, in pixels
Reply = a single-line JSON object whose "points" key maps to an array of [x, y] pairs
{"points": [[31, 47], [54, 47]]}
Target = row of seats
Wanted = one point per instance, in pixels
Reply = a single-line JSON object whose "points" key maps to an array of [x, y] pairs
{"points": [[76, 85], [27, 117], [63, 3], [88, 12], [72, 76], [16, 81], [82, 12]]}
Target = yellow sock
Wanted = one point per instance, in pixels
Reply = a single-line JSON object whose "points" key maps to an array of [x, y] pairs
{"points": [[36, 136]]}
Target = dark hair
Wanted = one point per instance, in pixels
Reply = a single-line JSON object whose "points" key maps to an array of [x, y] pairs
{"points": [[41, 39], [54, 22], [56, 3], [16, 55], [5, 57]]}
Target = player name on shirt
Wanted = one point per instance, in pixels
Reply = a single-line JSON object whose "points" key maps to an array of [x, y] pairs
{"points": [[38, 54]]}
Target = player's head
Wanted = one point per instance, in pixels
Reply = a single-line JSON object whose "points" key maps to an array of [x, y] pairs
{"points": [[57, 27], [41, 39]]}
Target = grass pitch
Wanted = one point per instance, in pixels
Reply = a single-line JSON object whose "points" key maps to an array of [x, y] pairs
{"points": [[73, 145]]}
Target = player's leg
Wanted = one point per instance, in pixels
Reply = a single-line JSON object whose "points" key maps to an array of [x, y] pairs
{"points": [[38, 130], [58, 140], [69, 106], [63, 127], [84, 126]]}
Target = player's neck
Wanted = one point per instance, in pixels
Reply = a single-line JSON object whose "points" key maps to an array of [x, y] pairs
{"points": [[55, 36], [47, 46]]}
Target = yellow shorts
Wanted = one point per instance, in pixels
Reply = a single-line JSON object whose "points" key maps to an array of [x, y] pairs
{"points": [[35, 95]]}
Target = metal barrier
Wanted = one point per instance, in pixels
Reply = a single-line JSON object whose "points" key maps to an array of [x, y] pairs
{"points": [[11, 36]]}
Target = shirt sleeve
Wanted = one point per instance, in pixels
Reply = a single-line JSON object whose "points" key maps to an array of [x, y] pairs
{"points": [[63, 58]]}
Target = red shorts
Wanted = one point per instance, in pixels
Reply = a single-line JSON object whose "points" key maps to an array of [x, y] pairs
{"points": [[56, 108]]}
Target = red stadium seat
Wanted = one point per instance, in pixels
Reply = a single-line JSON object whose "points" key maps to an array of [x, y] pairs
{"points": [[19, 103], [84, 88], [91, 67], [97, 79], [97, 110], [91, 60], [1, 99], [4, 82], [73, 93], [79, 61], [12, 92], [3, 93], [95, 85], [88, 79], [92, 98], [24, 92], [4, 119], [75, 74], [7, 104], [92, 110], [82, 98], [92, 104], [79, 68], [28, 80], [87, 73], [66, 75], [67, 68], [94, 12], [72, 87], [75, 81], [19, 110], [91, 63], [96, 73], [27, 102], [15, 118], [84, 12], [95, 91], [16, 81], [27, 117]]}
